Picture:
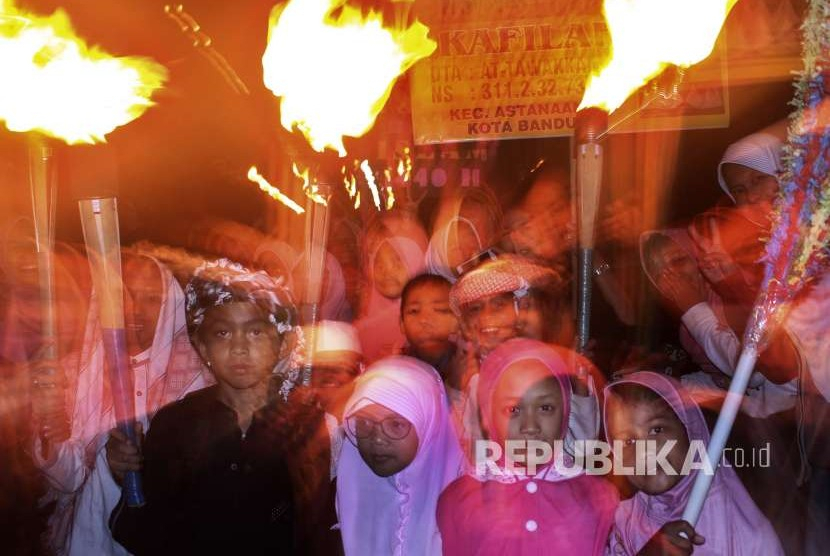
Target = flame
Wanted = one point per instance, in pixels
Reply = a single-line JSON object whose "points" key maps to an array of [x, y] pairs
{"points": [[646, 37], [311, 190], [369, 174], [350, 181], [274, 192], [56, 84], [334, 67]]}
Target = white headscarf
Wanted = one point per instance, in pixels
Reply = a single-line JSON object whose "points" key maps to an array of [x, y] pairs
{"points": [[437, 258], [760, 151], [396, 515]]}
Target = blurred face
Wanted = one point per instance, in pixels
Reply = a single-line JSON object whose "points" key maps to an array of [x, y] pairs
{"points": [[240, 344], [646, 420], [389, 272], [143, 295], [542, 228], [673, 258], [750, 187], [462, 243], [531, 322], [387, 442], [333, 378], [490, 321], [427, 321], [527, 404]]}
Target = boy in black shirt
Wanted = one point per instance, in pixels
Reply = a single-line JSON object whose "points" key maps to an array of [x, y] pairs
{"points": [[215, 478]]}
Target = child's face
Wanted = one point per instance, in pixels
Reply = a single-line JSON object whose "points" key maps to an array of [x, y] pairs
{"points": [[333, 378], [240, 344], [545, 231], [527, 404], [389, 272], [143, 293], [750, 187], [648, 420], [427, 321], [386, 441], [490, 321], [531, 322]]}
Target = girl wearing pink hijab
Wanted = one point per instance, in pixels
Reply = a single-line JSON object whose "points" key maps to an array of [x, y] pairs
{"points": [[524, 395], [401, 453], [651, 406]]}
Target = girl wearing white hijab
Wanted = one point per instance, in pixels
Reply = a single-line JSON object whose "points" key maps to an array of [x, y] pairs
{"points": [[394, 514], [77, 471]]}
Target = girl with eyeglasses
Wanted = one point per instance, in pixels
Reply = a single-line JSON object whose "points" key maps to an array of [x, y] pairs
{"points": [[401, 454]]}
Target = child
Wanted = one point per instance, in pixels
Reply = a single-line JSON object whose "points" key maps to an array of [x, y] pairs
{"points": [[524, 393], [430, 326], [215, 479], [392, 261], [164, 368], [400, 455], [650, 406]]}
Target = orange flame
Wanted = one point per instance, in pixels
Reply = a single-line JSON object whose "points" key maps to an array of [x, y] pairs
{"points": [[646, 37], [56, 84], [334, 67], [273, 192], [311, 190]]}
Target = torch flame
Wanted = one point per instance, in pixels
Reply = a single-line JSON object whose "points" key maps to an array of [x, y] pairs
{"points": [[369, 174], [646, 37], [312, 190], [273, 192], [56, 84], [334, 67]]}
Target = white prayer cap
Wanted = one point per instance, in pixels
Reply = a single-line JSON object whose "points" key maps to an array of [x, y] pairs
{"points": [[332, 335]]}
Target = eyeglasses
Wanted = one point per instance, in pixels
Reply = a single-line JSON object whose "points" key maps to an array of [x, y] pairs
{"points": [[394, 428], [476, 261]]}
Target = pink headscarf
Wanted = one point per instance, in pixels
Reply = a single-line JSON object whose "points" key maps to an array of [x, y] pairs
{"points": [[396, 515], [512, 351], [730, 521], [379, 323]]}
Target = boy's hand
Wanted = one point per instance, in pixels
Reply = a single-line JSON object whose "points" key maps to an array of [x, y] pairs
{"points": [[123, 455], [668, 541]]}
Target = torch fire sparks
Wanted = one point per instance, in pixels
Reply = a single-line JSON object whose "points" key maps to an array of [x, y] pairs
{"points": [[56, 84], [350, 55], [273, 192]]}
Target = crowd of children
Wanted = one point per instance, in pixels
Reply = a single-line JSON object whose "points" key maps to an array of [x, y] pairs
{"points": [[431, 398]]}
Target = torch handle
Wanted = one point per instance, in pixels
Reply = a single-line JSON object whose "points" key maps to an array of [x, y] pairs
{"points": [[726, 419], [121, 386], [586, 257]]}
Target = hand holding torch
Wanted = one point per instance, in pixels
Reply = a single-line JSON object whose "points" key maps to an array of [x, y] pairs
{"points": [[99, 218]]}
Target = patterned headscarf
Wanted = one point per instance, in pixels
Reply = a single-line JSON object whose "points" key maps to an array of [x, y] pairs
{"points": [[507, 274], [220, 282]]}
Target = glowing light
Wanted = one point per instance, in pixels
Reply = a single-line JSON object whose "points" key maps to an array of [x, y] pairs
{"points": [[646, 37], [311, 190], [369, 174], [53, 82], [334, 67], [273, 192]]}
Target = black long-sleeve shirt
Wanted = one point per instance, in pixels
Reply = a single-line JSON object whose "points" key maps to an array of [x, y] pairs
{"points": [[209, 488]]}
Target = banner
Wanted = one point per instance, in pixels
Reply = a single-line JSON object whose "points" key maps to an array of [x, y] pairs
{"points": [[517, 69]]}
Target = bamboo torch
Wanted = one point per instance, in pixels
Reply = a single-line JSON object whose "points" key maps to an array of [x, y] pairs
{"points": [[99, 218], [42, 183], [589, 125], [316, 242]]}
